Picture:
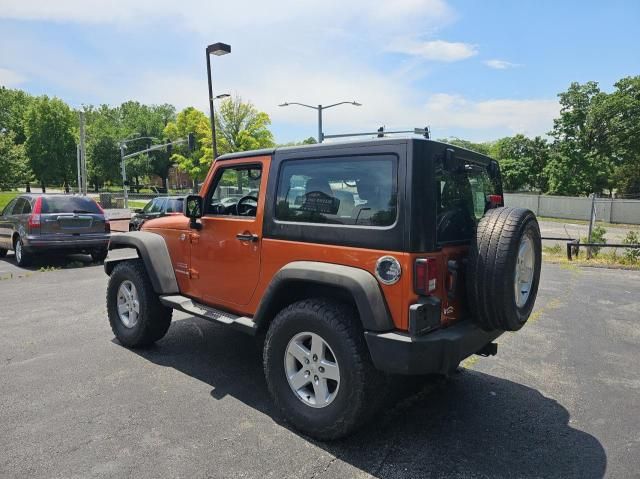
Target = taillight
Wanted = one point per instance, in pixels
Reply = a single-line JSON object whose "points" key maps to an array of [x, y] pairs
{"points": [[426, 275], [495, 200], [34, 218]]}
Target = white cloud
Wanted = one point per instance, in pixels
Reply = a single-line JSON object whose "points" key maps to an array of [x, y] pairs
{"points": [[435, 50], [531, 116], [205, 15], [10, 78], [500, 64]]}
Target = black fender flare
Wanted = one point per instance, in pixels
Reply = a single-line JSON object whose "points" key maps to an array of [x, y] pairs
{"points": [[153, 250], [359, 283]]}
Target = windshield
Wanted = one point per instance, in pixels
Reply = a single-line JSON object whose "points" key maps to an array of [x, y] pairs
{"points": [[69, 204]]}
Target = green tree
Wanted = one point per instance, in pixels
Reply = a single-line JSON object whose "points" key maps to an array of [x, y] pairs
{"points": [[14, 166], [50, 142], [195, 163], [575, 166], [615, 118], [483, 148], [522, 162], [13, 104], [241, 127], [103, 154]]}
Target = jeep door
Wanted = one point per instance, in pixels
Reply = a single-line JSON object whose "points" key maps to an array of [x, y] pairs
{"points": [[225, 256]]}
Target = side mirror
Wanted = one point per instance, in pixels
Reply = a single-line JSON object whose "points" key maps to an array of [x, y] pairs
{"points": [[138, 210], [193, 208]]}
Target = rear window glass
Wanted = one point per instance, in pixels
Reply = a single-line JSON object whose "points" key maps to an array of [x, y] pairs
{"points": [[463, 200], [69, 204], [358, 191]]}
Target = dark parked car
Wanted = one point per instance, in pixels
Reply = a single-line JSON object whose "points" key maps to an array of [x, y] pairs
{"points": [[156, 208], [35, 224]]}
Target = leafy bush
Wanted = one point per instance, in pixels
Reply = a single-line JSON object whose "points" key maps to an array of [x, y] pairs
{"points": [[632, 254], [597, 236]]}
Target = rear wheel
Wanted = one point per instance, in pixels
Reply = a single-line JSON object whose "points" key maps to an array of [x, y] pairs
{"points": [[318, 368], [504, 268], [23, 257], [136, 315]]}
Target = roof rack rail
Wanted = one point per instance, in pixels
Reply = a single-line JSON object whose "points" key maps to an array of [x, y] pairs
{"points": [[381, 132]]}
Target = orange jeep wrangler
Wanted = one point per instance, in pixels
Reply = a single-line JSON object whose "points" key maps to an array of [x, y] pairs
{"points": [[352, 261]]}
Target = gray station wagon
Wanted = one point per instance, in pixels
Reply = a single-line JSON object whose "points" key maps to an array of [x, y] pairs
{"points": [[38, 224]]}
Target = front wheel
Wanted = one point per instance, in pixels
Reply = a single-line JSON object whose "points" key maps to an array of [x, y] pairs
{"points": [[318, 368], [136, 315]]}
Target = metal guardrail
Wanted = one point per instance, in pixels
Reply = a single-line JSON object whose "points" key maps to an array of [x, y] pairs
{"points": [[573, 247]]}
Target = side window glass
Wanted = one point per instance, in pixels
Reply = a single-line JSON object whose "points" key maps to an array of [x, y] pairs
{"points": [[18, 208], [236, 191], [344, 191], [26, 209]]}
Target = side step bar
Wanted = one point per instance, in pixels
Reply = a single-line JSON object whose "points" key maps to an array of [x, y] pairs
{"points": [[189, 306]]}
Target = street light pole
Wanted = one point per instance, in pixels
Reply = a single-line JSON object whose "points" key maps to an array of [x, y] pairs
{"points": [[217, 49], [320, 108], [124, 175]]}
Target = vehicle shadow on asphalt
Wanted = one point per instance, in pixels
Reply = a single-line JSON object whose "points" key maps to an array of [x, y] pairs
{"points": [[50, 262], [471, 425]]}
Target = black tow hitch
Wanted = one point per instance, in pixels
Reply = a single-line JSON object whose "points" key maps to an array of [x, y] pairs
{"points": [[490, 349]]}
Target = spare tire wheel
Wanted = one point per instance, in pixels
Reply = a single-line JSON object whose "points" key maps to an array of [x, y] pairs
{"points": [[503, 270]]}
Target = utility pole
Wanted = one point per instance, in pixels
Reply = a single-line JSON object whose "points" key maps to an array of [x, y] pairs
{"points": [[124, 175], [82, 184], [79, 168], [592, 219]]}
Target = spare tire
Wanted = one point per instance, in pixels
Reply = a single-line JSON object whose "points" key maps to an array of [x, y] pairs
{"points": [[503, 271]]}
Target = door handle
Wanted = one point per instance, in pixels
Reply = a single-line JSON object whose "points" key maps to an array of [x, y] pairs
{"points": [[247, 237]]}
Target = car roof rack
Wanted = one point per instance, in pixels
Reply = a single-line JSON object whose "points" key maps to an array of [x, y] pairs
{"points": [[381, 132]]}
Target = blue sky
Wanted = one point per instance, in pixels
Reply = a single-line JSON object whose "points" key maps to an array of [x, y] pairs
{"points": [[476, 70]]}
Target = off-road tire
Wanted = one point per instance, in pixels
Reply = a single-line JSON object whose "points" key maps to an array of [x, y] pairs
{"points": [[3, 252], [491, 267], [23, 257], [360, 383], [154, 318], [99, 256]]}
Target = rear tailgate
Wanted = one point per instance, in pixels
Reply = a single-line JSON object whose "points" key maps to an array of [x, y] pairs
{"points": [[71, 216]]}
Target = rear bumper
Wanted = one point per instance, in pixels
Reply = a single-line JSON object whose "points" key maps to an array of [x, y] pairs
{"points": [[35, 244], [438, 352]]}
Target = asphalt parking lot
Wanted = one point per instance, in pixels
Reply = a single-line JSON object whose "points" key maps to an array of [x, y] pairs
{"points": [[561, 399]]}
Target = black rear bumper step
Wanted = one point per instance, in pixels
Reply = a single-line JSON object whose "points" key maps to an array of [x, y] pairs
{"points": [[189, 306], [437, 352]]}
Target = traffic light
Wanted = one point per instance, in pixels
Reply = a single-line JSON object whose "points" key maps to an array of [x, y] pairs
{"points": [[191, 141]]}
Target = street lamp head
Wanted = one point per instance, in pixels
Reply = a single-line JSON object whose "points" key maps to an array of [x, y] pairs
{"points": [[284, 104], [222, 95], [356, 103], [219, 49]]}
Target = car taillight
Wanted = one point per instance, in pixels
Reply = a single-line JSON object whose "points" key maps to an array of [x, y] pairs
{"points": [[426, 276], [495, 200], [34, 218]]}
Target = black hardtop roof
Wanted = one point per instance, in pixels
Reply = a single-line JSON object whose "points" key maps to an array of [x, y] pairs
{"points": [[318, 147]]}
